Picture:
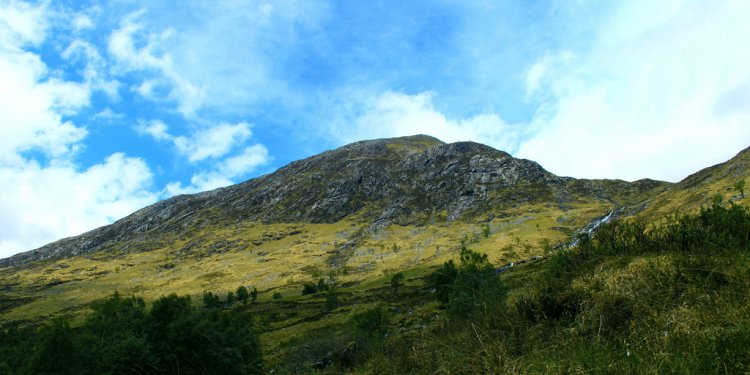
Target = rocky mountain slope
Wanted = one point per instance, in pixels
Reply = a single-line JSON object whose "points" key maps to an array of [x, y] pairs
{"points": [[360, 212], [404, 180]]}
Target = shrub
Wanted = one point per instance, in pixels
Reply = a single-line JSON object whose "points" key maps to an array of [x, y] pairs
{"points": [[242, 294], [211, 300], [397, 281], [309, 288], [442, 281]]}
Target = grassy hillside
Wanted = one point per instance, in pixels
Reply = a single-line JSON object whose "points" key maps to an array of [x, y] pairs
{"points": [[277, 257], [716, 184], [634, 298]]}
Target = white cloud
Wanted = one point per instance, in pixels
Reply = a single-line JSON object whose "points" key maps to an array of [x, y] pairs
{"points": [[213, 142], [539, 71], [393, 114], [82, 22], [136, 49], [224, 172], [31, 103], [22, 23], [251, 158], [107, 114], [227, 58], [95, 69], [209, 143], [44, 201], [156, 129], [647, 99], [43, 204]]}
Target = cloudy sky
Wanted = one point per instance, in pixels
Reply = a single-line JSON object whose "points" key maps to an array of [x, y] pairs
{"points": [[106, 107]]}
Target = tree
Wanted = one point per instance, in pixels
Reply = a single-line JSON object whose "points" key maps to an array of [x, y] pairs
{"points": [[397, 281], [242, 294], [309, 288], [370, 328], [276, 295], [486, 231], [475, 286], [332, 299], [739, 186], [187, 341], [717, 199], [230, 298], [442, 280], [211, 300], [463, 290], [55, 351], [254, 295], [114, 338], [322, 286]]}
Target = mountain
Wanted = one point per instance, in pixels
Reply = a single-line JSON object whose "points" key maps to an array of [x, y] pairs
{"points": [[405, 181], [701, 188], [361, 212]]}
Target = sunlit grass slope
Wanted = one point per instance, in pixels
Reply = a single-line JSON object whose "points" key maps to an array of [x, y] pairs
{"points": [[278, 257]]}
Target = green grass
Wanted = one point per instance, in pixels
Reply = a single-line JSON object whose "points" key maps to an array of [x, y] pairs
{"points": [[635, 298], [673, 299]]}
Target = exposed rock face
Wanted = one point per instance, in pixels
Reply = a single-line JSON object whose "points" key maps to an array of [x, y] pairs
{"points": [[399, 180]]}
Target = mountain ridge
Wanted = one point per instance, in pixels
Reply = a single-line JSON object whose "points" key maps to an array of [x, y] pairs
{"points": [[393, 180]]}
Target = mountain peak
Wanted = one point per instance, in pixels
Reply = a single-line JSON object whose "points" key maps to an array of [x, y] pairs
{"points": [[399, 145]]}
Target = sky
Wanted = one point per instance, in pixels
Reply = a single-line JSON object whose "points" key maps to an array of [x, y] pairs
{"points": [[109, 106]]}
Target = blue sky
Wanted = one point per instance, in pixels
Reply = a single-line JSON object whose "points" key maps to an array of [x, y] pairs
{"points": [[106, 107]]}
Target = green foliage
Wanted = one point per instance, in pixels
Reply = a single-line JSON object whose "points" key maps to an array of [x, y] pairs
{"points": [[369, 323], [717, 199], [476, 286], [309, 288], [739, 187], [632, 298], [254, 295], [114, 335], [397, 281], [211, 300], [465, 290], [242, 294], [322, 286], [276, 295], [442, 281], [121, 337], [332, 299], [486, 231], [370, 328], [54, 351], [15, 345], [713, 230], [230, 298]]}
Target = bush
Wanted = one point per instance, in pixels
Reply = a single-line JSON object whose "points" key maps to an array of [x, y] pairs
{"points": [[211, 300], [442, 281], [309, 288], [121, 337], [332, 299], [370, 323], [242, 294], [397, 281], [476, 286]]}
